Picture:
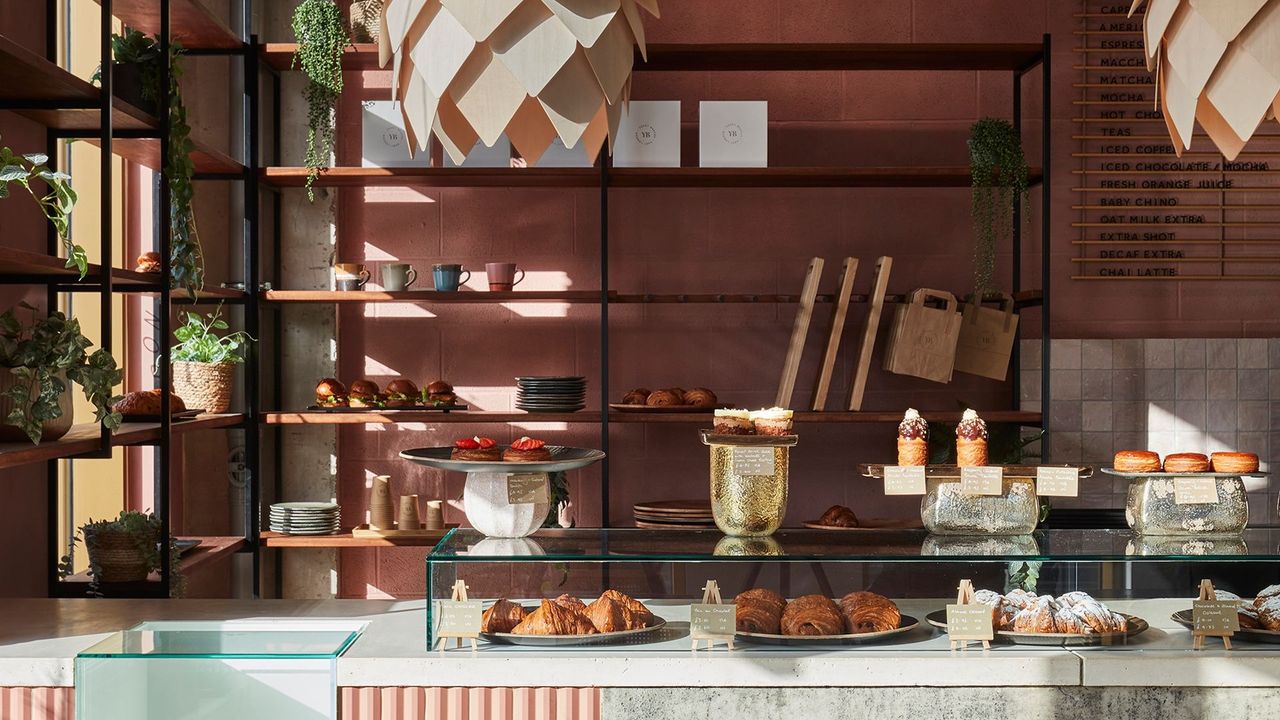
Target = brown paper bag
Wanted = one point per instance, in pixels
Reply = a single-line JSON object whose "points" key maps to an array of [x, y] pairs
{"points": [[922, 341], [986, 339]]}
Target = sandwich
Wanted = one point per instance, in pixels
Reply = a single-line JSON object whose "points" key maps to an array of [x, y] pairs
{"points": [[331, 393], [441, 393], [403, 393], [364, 394]]}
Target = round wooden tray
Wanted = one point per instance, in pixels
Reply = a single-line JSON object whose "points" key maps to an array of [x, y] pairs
{"points": [[869, 524]]}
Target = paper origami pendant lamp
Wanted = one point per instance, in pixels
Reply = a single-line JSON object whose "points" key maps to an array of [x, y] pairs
{"points": [[1216, 61], [536, 70]]}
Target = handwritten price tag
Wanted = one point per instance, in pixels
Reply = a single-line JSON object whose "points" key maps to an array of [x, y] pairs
{"points": [[1215, 618], [711, 621], [752, 461], [904, 480], [1058, 481], [1195, 490], [969, 622], [526, 488], [458, 618], [982, 480]]}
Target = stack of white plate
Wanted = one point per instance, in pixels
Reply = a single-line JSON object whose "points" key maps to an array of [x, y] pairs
{"points": [[551, 394], [305, 518]]}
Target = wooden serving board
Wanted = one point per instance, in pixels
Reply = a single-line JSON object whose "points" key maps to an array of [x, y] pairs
{"points": [[818, 401], [414, 408], [858, 388], [174, 417], [364, 531], [799, 333]]}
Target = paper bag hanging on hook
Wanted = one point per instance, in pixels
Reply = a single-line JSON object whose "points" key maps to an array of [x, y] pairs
{"points": [[986, 338], [922, 340]]}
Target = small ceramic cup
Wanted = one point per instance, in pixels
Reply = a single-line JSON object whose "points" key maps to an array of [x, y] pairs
{"points": [[349, 276], [398, 276], [448, 278], [502, 276]]}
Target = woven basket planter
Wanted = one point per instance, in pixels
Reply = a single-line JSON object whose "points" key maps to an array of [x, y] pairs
{"points": [[118, 557], [53, 429], [204, 386]]}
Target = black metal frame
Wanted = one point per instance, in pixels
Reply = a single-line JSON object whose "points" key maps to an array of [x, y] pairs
{"points": [[102, 283]]}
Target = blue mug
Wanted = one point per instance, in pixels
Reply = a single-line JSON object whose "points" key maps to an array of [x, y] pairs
{"points": [[448, 277]]}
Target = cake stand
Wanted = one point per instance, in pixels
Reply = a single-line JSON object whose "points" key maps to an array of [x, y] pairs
{"points": [[485, 495]]}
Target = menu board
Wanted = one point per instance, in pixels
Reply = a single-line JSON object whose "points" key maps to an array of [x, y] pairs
{"points": [[1142, 212]]}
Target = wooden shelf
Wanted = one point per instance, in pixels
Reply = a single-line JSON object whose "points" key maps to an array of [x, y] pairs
{"points": [[763, 57], [435, 177], [430, 296], [835, 416], [190, 22], [346, 540], [1026, 298], [146, 152], [201, 556], [305, 417], [84, 439]]}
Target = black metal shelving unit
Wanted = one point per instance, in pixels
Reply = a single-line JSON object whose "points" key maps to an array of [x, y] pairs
{"points": [[64, 92]]}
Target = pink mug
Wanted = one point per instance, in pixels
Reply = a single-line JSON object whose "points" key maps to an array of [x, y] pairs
{"points": [[502, 276]]}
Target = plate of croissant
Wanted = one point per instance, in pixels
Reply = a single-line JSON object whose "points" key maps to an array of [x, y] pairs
{"points": [[1073, 618], [1259, 616], [765, 618], [614, 617]]}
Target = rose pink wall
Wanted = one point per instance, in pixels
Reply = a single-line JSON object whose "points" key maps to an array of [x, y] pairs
{"points": [[749, 241]]}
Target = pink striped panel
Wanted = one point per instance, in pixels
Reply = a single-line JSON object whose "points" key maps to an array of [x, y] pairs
{"points": [[37, 703], [456, 703]]}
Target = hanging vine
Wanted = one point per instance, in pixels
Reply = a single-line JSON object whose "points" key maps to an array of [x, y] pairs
{"points": [[322, 36], [998, 172]]}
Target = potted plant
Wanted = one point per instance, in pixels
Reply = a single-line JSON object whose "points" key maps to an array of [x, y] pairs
{"points": [[35, 400], [998, 172], [137, 70], [204, 362], [322, 37], [56, 205], [126, 549]]}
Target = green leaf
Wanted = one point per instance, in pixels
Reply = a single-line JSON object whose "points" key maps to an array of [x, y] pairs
{"points": [[9, 173], [36, 158]]}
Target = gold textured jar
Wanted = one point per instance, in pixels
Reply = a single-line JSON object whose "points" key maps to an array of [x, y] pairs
{"points": [[749, 482]]}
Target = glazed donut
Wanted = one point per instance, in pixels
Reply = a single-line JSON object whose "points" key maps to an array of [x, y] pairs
{"points": [[1186, 463], [1136, 461], [1233, 462]]}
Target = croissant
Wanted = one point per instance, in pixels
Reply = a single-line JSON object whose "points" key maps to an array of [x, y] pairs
{"points": [[553, 619], [775, 601], [700, 397], [838, 516], [570, 602], [502, 616], [866, 612], [636, 397], [1038, 618], [663, 397], [812, 615], [608, 615], [641, 615]]}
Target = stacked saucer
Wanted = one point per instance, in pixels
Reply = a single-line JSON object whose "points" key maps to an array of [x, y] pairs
{"points": [[551, 394], [674, 515], [305, 518]]}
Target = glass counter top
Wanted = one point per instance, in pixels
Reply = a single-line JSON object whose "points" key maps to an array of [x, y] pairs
{"points": [[218, 640], [638, 545]]}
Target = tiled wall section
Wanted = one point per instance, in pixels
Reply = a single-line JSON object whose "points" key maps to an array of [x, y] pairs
{"points": [[1186, 395]]}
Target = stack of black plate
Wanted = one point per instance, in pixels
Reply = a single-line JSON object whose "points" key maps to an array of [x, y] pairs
{"points": [[551, 394], [305, 518]]}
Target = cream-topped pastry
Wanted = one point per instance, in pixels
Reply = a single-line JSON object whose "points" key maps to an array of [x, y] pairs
{"points": [[913, 439], [971, 440], [733, 422], [772, 421]]}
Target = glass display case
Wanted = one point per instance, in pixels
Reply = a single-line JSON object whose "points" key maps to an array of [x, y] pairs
{"points": [[666, 570]]}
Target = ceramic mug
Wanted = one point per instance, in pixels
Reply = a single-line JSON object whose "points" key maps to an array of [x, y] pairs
{"points": [[448, 277], [398, 276], [502, 276], [349, 276]]}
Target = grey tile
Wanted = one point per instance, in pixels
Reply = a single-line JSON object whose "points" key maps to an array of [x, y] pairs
{"points": [[1191, 441], [1128, 416], [1220, 415], [1189, 415], [1253, 442], [1029, 385], [1254, 416], [1065, 415], [1190, 384], [1097, 448], [1029, 406], [1064, 354], [1251, 352], [1273, 384], [1158, 353], [1273, 353], [1161, 418], [1127, 384], [1029, 354], [1065, 447], [1129, 441], [1189, 352], [1095, 416], [1064, 384], [1221, 441], [1220, 353], [1126, 353], [1162, 442], [1095, 354], [1220, 384], [1095, 384], [1251, 384], [1159, 384]]}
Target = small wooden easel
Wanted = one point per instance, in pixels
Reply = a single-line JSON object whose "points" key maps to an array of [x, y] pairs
{"points": [[1217, 629], [461, 627], [961, 634], [711, 596]]}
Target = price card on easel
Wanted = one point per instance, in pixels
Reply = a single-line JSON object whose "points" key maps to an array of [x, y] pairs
{"points": [[459, 618], [752, 461], [711, 620], [1195, 490], [526, 488], [1211, 617], [982, 480], [1058, 481], [969, 621], [904, 480]]}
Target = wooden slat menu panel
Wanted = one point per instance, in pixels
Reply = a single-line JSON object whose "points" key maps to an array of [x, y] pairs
{"points": [[1142, 212]]}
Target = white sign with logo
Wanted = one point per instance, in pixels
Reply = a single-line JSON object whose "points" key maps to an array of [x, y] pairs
{"points": [[383, 142], [498, 156], [733, 133], [649, 135]]}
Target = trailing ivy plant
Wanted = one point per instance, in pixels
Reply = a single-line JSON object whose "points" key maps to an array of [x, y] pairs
{"points": [[322, 36], [186, 257], [998, 172], [144, 530], [56, 204], [199, 343], [36, 354]]}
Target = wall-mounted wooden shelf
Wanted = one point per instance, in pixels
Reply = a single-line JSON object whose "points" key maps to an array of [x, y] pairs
{"points": [[360, 56], [346, 540], [197, 558], [84, 439], [190, 22], [21, 262], [430, 296], [805, 417], [435, 177], [305, 417]]}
